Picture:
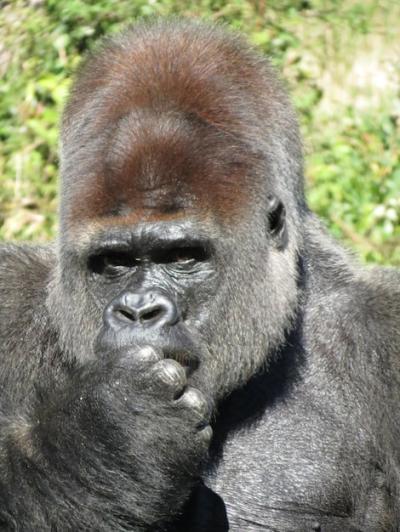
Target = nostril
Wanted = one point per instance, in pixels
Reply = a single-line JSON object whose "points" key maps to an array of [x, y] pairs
{"points": [[152, 314], [140, 315], [126, 314]]}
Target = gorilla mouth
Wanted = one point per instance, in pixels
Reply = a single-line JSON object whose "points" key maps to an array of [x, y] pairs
{"points": [[175, 342]]}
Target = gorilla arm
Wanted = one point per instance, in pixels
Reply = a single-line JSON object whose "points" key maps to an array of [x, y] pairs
{"points": [[93, 447]]}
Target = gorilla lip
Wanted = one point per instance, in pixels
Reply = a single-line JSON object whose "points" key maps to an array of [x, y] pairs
{"points": [[175, 343]]}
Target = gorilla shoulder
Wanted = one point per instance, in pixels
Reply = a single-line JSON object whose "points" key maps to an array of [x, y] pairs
{"points": [[381, 302], [24, 276]]}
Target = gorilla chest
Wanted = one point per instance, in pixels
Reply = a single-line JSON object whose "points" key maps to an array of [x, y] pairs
{"points": [[289, 473]]}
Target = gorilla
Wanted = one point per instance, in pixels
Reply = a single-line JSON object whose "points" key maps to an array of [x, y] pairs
{"points": [[195, 353]]}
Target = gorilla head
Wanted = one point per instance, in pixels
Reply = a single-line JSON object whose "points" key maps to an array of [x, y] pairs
{"points": [[182, 202]]}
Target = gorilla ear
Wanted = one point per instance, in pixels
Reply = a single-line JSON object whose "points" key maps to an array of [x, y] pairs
{"points": [[276, 221]]}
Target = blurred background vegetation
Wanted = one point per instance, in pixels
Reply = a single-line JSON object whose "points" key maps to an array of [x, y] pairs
{"points": [[340, 59]]}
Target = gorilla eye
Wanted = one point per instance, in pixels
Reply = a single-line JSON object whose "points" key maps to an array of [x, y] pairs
{"points": [[110, 263], [183, 255]]}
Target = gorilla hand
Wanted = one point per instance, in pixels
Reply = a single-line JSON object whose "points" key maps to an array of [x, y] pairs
{"points": [[156, 391], [156, 432], [123, 435]]}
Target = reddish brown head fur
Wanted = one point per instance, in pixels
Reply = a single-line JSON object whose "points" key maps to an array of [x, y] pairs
{"points": [[165, 120]]}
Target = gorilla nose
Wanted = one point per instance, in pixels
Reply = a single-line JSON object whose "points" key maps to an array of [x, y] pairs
{"points": [[141, 309]]}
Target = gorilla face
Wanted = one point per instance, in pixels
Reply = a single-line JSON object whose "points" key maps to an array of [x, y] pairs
{"points": [[173, 222], [159, 278]]}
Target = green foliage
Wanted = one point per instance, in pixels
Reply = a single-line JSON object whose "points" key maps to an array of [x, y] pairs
{"points": [[354, 181], [350, 117]]}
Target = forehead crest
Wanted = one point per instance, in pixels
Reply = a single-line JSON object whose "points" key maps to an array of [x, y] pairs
{"points": [[168, 118]]}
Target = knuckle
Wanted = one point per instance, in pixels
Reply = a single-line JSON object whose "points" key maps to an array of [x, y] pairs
{"points": [[170, 373], [196, 401], [149, 354], [206, 434], [138, 357]]}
